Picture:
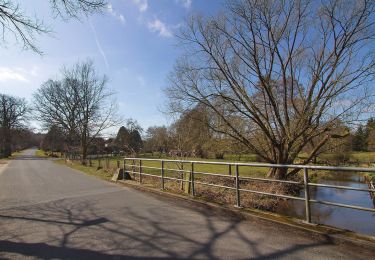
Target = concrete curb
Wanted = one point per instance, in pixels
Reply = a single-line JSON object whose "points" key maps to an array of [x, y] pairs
{"points": [[336, 235]]}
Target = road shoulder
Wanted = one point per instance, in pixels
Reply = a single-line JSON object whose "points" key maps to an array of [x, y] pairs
{"points": [[3, 164]]}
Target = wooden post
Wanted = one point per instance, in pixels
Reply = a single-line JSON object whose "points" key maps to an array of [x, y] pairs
{"points": [[307, 195], [182, 174], [162, 175], [238, 202], [133, 169], [140, 171], [192, 180]]}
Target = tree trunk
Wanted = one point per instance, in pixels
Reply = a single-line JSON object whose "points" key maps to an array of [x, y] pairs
{"points": [[7, 142], [281, 157], [84, 152], [278, 173]]}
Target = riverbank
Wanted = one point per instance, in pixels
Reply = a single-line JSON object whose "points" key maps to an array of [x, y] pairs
{"points": [[345, 218], [370, 179]]}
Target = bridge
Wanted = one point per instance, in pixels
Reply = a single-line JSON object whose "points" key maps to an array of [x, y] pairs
{"points": [[50, 211]]}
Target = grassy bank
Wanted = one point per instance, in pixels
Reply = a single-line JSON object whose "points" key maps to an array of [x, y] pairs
{"points": [[371, 177], [45, 154], [99, 173], [41, 153]]}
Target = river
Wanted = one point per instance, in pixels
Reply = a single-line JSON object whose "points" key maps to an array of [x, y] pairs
{"points": [[350, 219]]}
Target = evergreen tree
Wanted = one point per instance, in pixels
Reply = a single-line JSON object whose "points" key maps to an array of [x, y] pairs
{"points": [[359, 140], [135, 141], [370, 134], [122, 138], [129, 141]]}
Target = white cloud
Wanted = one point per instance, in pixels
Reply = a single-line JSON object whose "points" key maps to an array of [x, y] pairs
{"points": [[185, 3], [141, 4], [115, 14], [34, 71], [99, 46], [160, 28], [7, 74]]}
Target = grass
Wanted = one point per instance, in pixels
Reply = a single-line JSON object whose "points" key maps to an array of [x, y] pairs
{"points": [[360, 157], [15, 154], [171, 167], [363, 157], [41, 153], [106, 171], [93, 171], [354, 158]]}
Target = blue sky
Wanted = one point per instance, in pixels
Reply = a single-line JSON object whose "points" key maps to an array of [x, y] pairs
{"points": [[133, 43]]}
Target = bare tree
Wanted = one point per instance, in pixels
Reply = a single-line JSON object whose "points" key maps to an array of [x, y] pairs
{"points": [[13, 113], [278, 73], [14, 21], [80, 103], [157, 140]]}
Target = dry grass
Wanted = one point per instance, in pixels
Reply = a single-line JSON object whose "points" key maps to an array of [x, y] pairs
{"points": [[224, 195]]}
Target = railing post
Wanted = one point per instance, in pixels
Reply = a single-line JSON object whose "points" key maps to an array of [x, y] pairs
{"points": [[238, 202], [140, 171], [162, 175], [123, 175], [307, 195], [133, 168], [192, 180], [230, 170]]}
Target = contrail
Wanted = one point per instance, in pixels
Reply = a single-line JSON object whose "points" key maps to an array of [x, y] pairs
{"points": [[98, 45]]}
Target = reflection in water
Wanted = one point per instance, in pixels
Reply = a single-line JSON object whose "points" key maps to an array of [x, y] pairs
{"points": [[355, 220]]}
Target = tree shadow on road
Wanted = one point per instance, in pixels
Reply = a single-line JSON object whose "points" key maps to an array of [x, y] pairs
{"points": [[84, 230]]}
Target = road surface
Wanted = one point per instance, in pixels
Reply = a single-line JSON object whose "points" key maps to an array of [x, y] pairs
{"points": [[51, 211]]}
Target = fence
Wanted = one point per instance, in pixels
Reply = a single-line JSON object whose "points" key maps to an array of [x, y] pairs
{"points": [[137, 167]]}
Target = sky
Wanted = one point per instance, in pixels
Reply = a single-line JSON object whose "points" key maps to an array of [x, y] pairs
{"points": [[133, 43]]}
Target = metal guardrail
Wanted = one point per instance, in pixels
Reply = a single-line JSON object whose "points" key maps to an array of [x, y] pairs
{"points": [[306, 184]]}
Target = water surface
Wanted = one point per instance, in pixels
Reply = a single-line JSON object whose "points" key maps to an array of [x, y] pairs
{"points": [[350, 219]]}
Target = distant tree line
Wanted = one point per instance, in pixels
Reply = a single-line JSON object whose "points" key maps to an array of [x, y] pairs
{"points": [[189, 136], [128, 141], [14, 132]]}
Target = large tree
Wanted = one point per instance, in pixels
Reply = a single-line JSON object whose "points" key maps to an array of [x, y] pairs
{"points": [[278, 74], [80, 103], [54, 140], [129, 138], [24, 27], [13, 112], [158, 140]]}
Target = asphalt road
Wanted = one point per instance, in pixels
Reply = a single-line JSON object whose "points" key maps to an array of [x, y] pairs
{"points": [[51, 211]]}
